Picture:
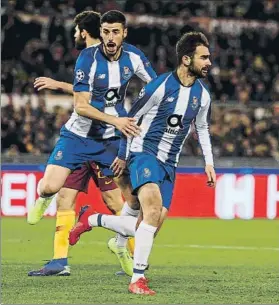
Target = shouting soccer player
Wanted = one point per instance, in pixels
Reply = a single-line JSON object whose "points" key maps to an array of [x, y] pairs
{"points": [[166, 108], [87, 34], [102, 75]]}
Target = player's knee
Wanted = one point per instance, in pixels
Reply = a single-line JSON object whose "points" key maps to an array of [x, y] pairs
{"points": [[149, 194], [151, 200], [64, 201], [48, 188]]}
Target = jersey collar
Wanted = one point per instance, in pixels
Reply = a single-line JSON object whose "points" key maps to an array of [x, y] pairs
{"points": [[174, 73]]}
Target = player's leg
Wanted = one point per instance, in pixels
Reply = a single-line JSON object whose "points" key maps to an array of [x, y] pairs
{"points": [[151, 182], [110, 192], [147, 182], [113, 200], [54, 178], [76, 182], [123, 250], [125, 225], [65, 157], [65, 220], [112, 196], [130, 208]]}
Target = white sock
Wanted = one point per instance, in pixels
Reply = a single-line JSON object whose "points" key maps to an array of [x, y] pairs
{"points": [[125, 225], [143, 244], [121, 240]]}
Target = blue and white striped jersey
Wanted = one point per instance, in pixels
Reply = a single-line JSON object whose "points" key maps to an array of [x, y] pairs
{"points": [[165, 110], [107, 82]]}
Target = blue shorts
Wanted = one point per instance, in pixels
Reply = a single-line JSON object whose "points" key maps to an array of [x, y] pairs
{"points": [[145, 168], [71, 151]]}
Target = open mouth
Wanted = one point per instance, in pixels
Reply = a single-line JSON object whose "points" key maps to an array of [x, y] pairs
{"points": [[111, 46]]}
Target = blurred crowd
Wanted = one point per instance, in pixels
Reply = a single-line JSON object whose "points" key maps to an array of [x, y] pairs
{"points": [[235, 132], [245, 67], [30, 130]]}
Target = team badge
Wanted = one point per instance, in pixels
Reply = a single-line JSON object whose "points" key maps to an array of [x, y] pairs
{"points": [[146, 172], [127, 73], [195, 103], [59, 155], [79, 75]]}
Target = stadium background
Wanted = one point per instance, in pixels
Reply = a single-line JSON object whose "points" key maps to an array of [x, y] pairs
{"points": [[37, 40]]}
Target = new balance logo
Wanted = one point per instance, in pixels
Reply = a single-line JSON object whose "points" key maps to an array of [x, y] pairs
{"points": [[170, 99], [101, 76]]}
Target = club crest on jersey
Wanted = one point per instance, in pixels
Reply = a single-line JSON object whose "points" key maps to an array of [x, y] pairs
{"points": [[195, 103], [127, 73], [146, 172], [79, 75], [59, 155]]}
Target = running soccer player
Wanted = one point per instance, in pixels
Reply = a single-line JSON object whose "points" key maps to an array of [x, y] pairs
{"points": [[87, 34], [83, 139], [166, 108]]}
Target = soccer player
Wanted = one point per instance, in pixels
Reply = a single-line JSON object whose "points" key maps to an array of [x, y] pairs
{"points": [[102, 74], [87, 34], [166, 108]]}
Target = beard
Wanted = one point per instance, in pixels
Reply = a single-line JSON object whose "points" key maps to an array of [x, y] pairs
{"points": [[111, 48], [80, 43], [198, 73]]}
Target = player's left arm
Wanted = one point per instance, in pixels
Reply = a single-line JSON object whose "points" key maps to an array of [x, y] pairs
{"points": [[144, 69], [202, 127]]}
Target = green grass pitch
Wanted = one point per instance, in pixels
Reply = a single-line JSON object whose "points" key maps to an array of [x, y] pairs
{"points": [[197, 261]]}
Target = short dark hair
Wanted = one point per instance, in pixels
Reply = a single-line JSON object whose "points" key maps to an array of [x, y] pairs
{"points": [[114, 16], [188, 43], [89, 21]]}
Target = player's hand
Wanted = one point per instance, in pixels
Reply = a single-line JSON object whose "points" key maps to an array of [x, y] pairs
{"points": [[211, 175], [41, 83], [128, 126], [118, 167]]}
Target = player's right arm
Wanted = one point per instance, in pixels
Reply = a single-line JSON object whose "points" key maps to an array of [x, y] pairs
{"points": [[82, 97], [41, 83]]}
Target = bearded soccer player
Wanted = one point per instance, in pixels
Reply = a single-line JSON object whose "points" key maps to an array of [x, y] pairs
{"points": [[166, 109], [108, 90]]}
